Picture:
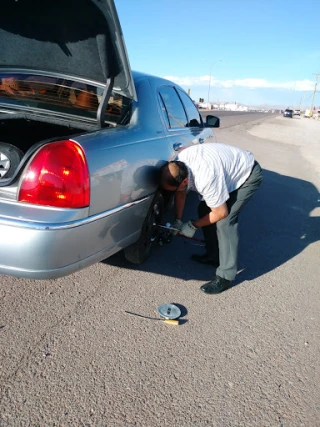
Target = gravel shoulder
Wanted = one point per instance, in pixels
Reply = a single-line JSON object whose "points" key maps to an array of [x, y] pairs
{"points": [[301, 132]]}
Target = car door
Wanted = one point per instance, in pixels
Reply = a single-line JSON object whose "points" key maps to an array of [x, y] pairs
{"points": [[183, 121]]}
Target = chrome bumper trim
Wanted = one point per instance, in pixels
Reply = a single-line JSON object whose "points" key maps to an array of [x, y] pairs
{"points": [[58, 226]]}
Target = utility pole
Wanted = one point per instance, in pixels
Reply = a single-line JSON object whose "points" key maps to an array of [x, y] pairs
{"points": [[209, 85], [210, 80], [314, 91]]}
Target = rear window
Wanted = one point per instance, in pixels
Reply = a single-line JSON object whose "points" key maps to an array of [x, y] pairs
{"points": [[60, 95]]}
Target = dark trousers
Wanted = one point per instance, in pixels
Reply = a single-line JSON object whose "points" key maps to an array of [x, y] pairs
{"points": [[222, 238]]}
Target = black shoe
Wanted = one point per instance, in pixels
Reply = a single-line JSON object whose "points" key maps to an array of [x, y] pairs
{"points": [[216, 286], [204, 259]]}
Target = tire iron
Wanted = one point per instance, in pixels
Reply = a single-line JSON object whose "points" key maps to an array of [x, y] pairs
{"points": [[169, 228], [168, 321]]}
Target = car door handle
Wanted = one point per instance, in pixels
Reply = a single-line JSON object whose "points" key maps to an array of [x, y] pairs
{"points": [[201, 140], [177, 146]]}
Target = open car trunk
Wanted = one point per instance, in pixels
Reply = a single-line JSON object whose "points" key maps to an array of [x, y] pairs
{"points": [[37, 109], [23, 132], [63, 67], [20, 133]]}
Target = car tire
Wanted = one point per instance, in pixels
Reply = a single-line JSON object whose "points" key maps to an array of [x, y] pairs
{"points": [[10, 157], [139, 251]]}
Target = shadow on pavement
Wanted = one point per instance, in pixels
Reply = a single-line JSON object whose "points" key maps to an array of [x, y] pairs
{"points": [[274, 227]]}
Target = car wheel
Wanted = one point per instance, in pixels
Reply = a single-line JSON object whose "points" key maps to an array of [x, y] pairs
{"points": [[10, 157], [139, 251]]}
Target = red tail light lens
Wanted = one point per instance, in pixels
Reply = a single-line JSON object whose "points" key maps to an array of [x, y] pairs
{"points": [[57, 176]]}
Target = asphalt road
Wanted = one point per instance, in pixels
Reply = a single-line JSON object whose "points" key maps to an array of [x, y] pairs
{"points": [[71, 356], [233, 118]]}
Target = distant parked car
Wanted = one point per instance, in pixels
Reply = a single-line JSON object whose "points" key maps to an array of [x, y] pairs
{"points": [[296, 113], [82, 139], [288, 113]]}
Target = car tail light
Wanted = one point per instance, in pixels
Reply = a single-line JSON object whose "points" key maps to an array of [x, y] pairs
{"points": [[57, 176]]}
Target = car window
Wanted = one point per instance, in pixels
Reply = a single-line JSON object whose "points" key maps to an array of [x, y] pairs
{"points": [[194, 118], [175, 113], [164, 110]]}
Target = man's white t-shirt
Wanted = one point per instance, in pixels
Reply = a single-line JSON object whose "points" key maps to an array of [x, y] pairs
{"points": [[215, 170]]}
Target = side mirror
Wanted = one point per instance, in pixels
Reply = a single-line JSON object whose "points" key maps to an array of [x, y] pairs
{"points": [[212, 122]]}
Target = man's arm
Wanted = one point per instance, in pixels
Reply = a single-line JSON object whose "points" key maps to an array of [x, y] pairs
{"points": [[179, 202], [212, 217]]}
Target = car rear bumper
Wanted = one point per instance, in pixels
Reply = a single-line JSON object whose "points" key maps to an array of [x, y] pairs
{"points": [[48, 251]]}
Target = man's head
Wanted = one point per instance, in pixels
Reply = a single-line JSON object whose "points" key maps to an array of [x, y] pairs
{"points": [[174, 176]]}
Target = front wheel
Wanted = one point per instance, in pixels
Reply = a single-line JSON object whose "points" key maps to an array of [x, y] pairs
{"points": [[139, 251]]}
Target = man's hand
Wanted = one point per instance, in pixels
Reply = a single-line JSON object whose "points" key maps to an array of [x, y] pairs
{"points": [[177, 223], [188, 229]]}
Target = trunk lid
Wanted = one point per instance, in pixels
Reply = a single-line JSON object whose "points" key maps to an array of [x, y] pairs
{"points": [[76, 38]]}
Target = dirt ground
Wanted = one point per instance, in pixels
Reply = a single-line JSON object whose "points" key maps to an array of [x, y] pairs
{"points": [[298, 131]]}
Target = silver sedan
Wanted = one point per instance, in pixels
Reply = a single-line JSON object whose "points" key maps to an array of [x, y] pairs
{"points": [[81, 144]]}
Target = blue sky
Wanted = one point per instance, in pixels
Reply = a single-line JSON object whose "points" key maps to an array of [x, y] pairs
{"points": [[260, 51]]}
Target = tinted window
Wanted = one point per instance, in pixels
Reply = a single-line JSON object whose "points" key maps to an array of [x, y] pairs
{"points": [[194, 118], [175, 112]]}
